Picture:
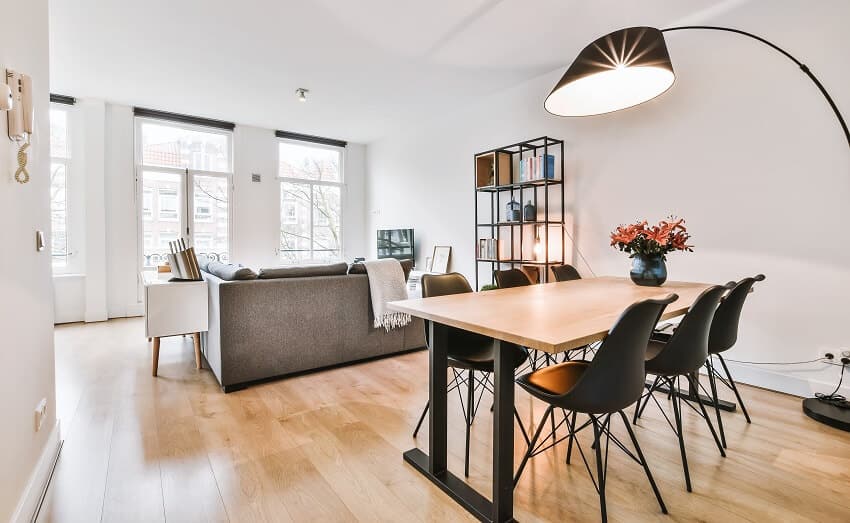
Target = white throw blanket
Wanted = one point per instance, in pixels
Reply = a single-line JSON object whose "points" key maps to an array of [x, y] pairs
{"points": [[386, 284]]}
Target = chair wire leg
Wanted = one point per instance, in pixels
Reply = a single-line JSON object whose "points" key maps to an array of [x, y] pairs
{"points": [[422, 418], [640, 408], [600, 473], [643, 462], [693, 383], [572, 436], [533, 444], [470, 405], [734, 388], [709, 365], [521, 427], [678, 415]]}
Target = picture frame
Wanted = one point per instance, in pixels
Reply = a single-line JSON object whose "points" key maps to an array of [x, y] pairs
{"points": [[440, 259]]}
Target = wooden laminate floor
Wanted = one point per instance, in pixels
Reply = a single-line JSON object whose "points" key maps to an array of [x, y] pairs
{"points": [[327, 447]]}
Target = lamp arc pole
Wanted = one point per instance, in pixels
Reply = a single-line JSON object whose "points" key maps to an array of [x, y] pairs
{"points": [[816, 409], [785, 53]]}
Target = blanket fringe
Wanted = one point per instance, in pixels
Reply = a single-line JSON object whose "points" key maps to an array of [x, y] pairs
{"points": [[392, 320]]}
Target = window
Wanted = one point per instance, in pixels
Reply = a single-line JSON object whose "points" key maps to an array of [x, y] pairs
{"points": [[168, 204], [185, 176], [289, 210], [203, 240], [203, 209], [60, 160], [311, 187], [147, 204]]}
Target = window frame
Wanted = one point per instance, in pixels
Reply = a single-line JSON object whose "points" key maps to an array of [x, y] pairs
{"points": [[343, 191], [185, 209]]}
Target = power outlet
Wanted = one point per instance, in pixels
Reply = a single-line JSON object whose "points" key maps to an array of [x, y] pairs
{"points": [[40, 413], [828, 354], [845, 353]]}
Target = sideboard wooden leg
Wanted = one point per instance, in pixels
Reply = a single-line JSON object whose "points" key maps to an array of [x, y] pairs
{"points": [[155, 358], [197, 337]]}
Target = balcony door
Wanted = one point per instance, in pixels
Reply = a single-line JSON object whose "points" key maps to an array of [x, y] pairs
{"points": [[184, 188]]}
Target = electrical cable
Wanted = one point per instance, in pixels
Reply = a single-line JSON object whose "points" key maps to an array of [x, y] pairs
{"points": [[575, 245], [825, 360], [833, 398]]}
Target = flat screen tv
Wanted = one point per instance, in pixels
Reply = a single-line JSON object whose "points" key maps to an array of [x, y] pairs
{"points": [[395, 243]]}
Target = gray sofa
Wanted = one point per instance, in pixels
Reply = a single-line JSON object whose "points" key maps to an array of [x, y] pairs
{"points": [[268, 328]]}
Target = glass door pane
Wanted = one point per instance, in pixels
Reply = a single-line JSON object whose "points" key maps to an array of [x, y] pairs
{"points": [[59, 213], [210, 216], [295, 222], [327, 211], [163, 204]]}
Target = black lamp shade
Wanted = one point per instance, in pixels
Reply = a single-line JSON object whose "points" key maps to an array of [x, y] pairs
{"points": [[619, 70]]}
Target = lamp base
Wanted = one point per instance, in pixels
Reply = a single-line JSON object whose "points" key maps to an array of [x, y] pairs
{"points": [[827, 414]]}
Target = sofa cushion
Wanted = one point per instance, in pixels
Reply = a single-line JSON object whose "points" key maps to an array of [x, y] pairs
{"points": [[203, 263], [359, 268], [306, 271], [230, 271]]}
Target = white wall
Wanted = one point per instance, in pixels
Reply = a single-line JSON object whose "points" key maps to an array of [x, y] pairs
{"points": [[105, 169], [26, 307], [743, 146]]}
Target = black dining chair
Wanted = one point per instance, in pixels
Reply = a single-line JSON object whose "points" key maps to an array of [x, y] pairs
{"points": [[722, 337], [565, 272], [682, 356], [470, 352], [600, 389], [511, 278]]}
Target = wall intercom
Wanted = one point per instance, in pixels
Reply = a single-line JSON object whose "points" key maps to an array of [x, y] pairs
{"points": [[20, 118]]}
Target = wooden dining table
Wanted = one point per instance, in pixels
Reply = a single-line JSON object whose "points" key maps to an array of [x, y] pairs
{"points": [[551, 317]]}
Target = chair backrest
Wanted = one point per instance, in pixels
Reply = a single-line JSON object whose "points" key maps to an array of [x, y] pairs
{"points": [[442, 285], [565, 272], [511, 278], [724, 328], [616, 375], [687, 349]]}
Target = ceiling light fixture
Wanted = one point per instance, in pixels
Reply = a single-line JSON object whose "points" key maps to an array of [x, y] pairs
{"points": [[302, 94]]}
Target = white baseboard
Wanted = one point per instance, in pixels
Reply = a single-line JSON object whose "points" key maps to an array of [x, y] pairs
{"points": [[30, 500], [785, 381]]}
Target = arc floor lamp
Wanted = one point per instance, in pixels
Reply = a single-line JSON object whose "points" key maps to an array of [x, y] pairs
{"points": [[631, 66]]}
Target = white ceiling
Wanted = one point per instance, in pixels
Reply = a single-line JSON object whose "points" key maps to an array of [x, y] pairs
{"points": [[371, 65]]}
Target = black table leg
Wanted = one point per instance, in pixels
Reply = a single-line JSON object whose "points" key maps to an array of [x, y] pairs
{"points": [[433, 464], [437, 428], [503, 436]]}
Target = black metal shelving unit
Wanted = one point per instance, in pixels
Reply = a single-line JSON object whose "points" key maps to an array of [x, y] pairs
{"points": [[497, 174]]}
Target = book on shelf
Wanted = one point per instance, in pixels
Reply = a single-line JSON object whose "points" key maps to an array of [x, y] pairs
{"points": [[488, 248], [533, 168]]}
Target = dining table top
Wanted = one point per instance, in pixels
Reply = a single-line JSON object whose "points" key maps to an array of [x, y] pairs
{"points": [[551, 317]]}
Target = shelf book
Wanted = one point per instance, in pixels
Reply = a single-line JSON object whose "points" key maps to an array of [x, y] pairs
{"points": [[535, 168]]}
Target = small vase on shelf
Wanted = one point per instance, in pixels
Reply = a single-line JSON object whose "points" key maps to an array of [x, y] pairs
{"points": [[529, 212], [648, 271]]}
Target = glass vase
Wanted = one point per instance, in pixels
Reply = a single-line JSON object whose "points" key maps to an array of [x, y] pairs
{"points": [[648, 271]]}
